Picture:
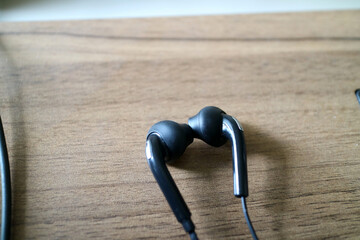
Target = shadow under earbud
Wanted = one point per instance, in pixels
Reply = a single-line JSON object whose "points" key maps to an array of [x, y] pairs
{"points": [[210, 164], [193, 158], [269, 152]]}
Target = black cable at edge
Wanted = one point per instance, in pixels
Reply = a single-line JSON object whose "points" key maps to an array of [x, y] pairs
{"points": [[5, 187], [193, 236], [357, 93], [247, 218]]}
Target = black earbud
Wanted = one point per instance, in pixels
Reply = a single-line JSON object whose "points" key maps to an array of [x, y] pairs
{"points": [[207, 125], [176, 137], [167, 140], [214, 126]]}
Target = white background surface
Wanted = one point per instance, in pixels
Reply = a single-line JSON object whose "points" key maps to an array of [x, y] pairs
{"points": [[44, 10]]}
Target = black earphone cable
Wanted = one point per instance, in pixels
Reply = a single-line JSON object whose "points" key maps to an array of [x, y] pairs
{"points": [[193, 235], [5, 187], [247, 218]]}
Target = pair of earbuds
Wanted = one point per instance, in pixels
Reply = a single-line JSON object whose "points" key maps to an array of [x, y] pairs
{"points": [[167, 141]]}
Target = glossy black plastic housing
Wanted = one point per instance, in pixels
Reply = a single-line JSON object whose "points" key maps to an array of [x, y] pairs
{"points": [[155, 154], [233, 131], [214, 126]]}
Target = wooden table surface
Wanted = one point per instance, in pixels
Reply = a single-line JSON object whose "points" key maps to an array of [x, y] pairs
{"points": [[78, 97]]}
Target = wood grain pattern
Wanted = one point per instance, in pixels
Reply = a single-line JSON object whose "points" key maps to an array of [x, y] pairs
{"points": [[78, 97]]}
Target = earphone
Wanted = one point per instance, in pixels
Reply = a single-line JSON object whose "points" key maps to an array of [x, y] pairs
{"points": [[5, 187], [167, 141]]}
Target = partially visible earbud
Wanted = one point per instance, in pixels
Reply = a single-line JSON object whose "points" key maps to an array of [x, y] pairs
{"points": [[166, 141], [214, 126], [176, 137]]}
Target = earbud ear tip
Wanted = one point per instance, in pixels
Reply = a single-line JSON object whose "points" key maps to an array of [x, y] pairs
{"points": [[175, 136], [207, 126]]}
